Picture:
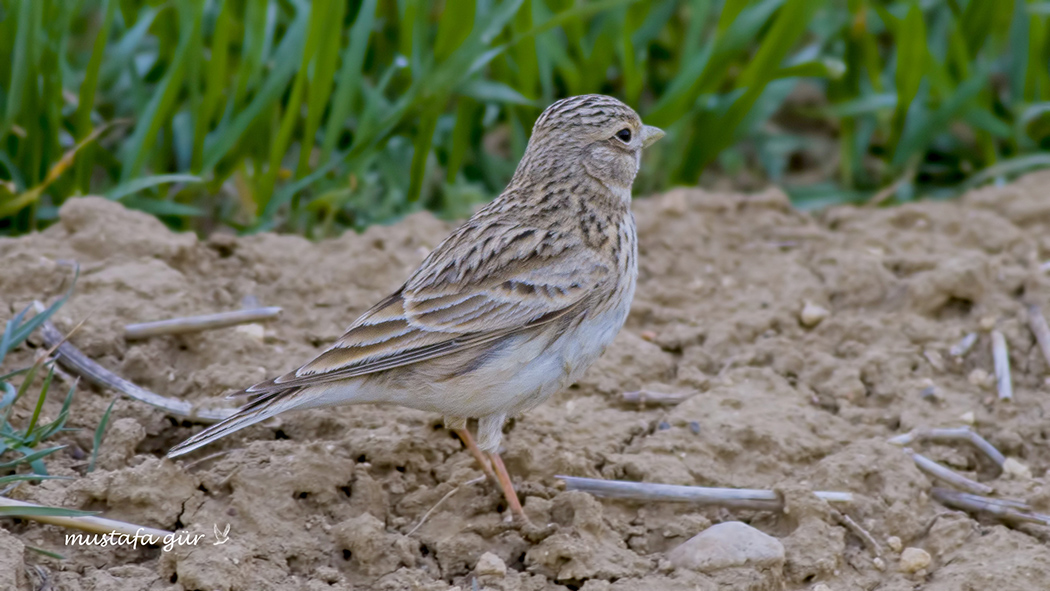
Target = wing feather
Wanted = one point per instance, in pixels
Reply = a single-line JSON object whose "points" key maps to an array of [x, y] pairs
{"points": [[507, 280]]}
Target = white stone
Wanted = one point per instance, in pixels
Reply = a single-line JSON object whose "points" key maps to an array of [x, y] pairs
{"points": [[894, 543], [981, 379], [727, 545], [1015, 469], [254, 331], [913, 560], [490, 564], [812, 314], [968, 418]]}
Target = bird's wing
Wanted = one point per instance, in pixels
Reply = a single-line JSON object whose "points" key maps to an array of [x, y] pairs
{"points": [[484, 282]]}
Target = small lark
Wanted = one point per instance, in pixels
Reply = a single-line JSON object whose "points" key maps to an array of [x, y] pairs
{"points": [[509, 309]]}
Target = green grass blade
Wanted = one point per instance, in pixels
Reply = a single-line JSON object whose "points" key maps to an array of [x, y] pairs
{"points": [[30, 457], [54, 426], [7, 511], [88, 92], [153, 117], [453, 27], [47, 553], [421, 151], [221, 142], [133, 186], [349, 78], [4, 480], [100, 431], [19, 332], [30, 430], [912, 58]]}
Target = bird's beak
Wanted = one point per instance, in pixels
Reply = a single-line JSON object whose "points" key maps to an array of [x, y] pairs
{"points": [[650, 135]]}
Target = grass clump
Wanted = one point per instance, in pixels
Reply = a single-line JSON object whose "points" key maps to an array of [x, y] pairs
{"points": [[24, 448], [316, 116]]}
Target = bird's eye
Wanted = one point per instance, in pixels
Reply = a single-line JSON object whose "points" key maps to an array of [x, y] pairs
{"points": [[624, 135]]}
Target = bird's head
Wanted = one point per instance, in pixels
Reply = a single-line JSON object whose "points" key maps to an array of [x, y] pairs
{"points": [[594, 132]]}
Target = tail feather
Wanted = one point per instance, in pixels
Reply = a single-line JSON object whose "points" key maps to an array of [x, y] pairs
{"points": [[255, 411]]}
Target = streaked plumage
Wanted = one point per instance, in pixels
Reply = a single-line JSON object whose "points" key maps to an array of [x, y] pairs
{"points": [[511, 307]]}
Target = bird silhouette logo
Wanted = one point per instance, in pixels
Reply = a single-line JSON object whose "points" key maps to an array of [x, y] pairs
{"points": [[221, 537]]}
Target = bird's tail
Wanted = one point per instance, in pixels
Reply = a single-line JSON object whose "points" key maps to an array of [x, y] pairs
{"points": [[255, 411]]}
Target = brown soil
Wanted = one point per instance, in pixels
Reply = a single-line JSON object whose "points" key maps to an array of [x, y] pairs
{"points": [[328, 499]]}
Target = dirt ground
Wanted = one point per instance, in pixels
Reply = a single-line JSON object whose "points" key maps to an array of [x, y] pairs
{"points": [[331, 499]]}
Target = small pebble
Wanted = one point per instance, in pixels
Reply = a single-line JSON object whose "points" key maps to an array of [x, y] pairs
{"points": [[968, 418], [934, 358], [490, 564], [1015, 469], [987, 323], [812, 314], [879, 564], [980, 378], [821, 587], [694, 427], [254, 331], [929, 392], [913, 560], [648, 335], [894, 543], [663, 426]]}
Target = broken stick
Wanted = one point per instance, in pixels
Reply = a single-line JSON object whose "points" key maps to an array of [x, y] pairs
{"points": [[1004, 509], [204, 322], [951, 436], [733, 498], [948, 475], [1037, 322], [648, 397], [964, 345], [77, 363], [1002, 366]]}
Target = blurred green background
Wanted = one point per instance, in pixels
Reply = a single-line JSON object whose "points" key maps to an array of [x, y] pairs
{"points": [[313, 117]]}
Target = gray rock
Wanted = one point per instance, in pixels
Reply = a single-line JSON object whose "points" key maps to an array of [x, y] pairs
{"points": [[727, 545]]}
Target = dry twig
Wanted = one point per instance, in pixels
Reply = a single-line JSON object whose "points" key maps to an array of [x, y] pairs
{"points": [[1037, 322], [76, 362], [426, 515], [648, 397], [1005, 509], [1002, 366], [204, 322], [860, 532], [950, 476], [964, 345], [733, 498], [952, 436], [98, 525]]}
